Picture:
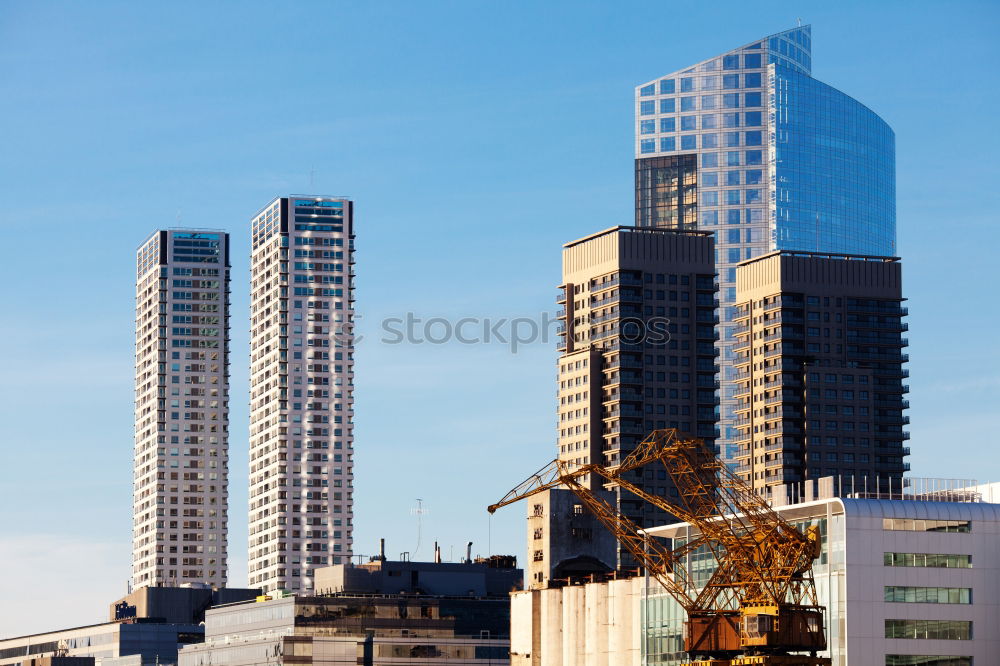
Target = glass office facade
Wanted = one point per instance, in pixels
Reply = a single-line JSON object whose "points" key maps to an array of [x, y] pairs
{"points": [[783, 161]]}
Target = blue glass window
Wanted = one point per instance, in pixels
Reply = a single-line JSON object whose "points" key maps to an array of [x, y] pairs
{"points": [[647, 108], [734, 255], [752, 99], [668, 143], [709, 198], [667, 105], [732, 139], [687, 104], [731, 101], [687, 84], [668, 124], [732, 178], [666, 86], [730, 120], [709, 121], [755, 157], [709, 178], [751, 60], [752, 138], [710, 159], [710, 140], [755, 215], [647, 146], [689, 123], [709, 83], [733, 235], [733, 158], [753, 196], [751, 81], [733, 216], [709, 101], [754, 177], [647, 126], [730, 62], [647, 91], [752, 119], [732, 197], [730, 81], [688, 141], [709, 217]]}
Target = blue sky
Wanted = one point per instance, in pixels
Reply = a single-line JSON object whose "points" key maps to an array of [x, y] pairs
{"points": [[475, 138]]}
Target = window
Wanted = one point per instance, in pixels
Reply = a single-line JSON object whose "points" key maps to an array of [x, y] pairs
{"points": [[687, 84], [647, 108], [752, 118], [667, 105], [755, 214], [929, 629], [732, 178], [752, 99], [925, 660], [733, 216], [709, 121], [928, 595], [709, 140], [754, 176], [732, 197], [732, 139], [648, 91], [731, 62], [730, 120], [755, 157], [753, 196], [928, 560], [687, 104], [752, 138], [689, 141], [709, 82], [647, 126], [668, 124], [647, 146], [751, 81], [689, 123], [733, 158], [709, 198], [667, 144], [666, 86], [730, 81], [751, 60], [919, 525], [731, 101], [710, 179], [710, 159], [709, 101]]}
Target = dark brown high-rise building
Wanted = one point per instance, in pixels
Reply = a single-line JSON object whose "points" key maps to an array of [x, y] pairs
{"points": [[820, 370]]}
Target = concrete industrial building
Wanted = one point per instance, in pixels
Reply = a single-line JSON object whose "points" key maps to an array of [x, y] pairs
{"points": [[181, 456], [819, 370], [109, 643], [911, 579], [748, 145], [301, 389], [377, 614], [637, 353]]}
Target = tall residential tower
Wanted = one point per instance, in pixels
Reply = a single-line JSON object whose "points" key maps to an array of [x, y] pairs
{"points": [[749, 146], [181, 408], [301, 389]]}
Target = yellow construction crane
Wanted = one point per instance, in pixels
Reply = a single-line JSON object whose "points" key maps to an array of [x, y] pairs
{"points": [[759, 606]]}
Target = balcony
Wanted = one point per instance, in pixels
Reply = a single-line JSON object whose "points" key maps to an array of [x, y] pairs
{"points": [[623, 395]]}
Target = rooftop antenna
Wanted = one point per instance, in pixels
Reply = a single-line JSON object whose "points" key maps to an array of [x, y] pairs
{"points": [[800, 21], [418, 512]]}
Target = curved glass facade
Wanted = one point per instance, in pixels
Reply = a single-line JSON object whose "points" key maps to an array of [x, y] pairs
{"points": [[834, 185], [784, 162]]}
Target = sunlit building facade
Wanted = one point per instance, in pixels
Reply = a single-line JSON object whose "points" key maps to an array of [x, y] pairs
{"points": [[748, 145], [301, 389], [180, 494]]}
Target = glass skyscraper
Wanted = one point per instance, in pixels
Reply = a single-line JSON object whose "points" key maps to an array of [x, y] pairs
{"points": [[781, 161]]}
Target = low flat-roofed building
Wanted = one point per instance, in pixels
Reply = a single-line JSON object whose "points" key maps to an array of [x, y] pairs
{"points": [[493, 576], [357, 629], [153, 642], [909, 577], [175, 604]]}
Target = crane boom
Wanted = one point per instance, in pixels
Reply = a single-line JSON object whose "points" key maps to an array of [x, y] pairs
{"points": [[761, 597]]}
